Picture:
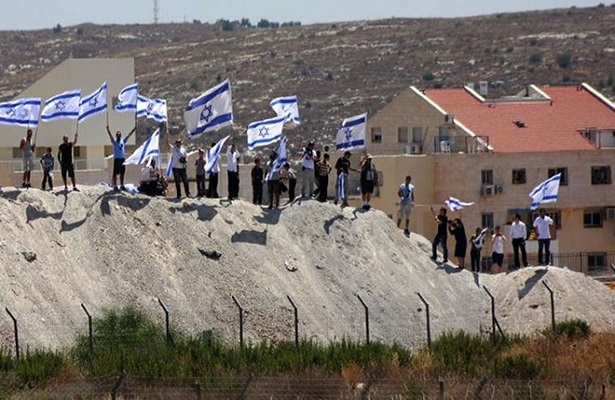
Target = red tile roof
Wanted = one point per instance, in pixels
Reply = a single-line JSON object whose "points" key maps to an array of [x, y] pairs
{"points": [[549, 125]]}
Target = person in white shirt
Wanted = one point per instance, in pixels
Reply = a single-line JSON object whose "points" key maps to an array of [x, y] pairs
{"points": [[307, 170], [232, 160], [212, 190], [541, 225], [179, 161], [497, 250], [406, 200], [518, 234]]}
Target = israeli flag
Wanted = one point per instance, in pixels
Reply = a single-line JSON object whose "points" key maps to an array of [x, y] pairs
{"points": [[155, 109], [21, 112], [169, 171], [480, 239], [280, 161], [150, 148], [62, 106], [454, 204], [351, 135], [210, 111], [127, 99], [213, 155], [94, 103], [263, 133], [287, 107], [546, 192]]}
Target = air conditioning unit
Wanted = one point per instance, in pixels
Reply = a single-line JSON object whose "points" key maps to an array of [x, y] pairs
{"points": [[449, 119], [487, 190], [499, 189], [610, 214], [416, 148]]}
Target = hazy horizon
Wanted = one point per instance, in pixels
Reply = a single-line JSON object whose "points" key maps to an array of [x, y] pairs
{"points": [[39, 14]]}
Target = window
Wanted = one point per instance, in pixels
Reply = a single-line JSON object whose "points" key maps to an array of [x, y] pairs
{"points": [[564, 171], [402, 134], [596, 261], [77, 151], [16, 152], [417, 134], [486, 177], [518, 176], [601, 175], [376, 135], [592, 219], [486, 220]]}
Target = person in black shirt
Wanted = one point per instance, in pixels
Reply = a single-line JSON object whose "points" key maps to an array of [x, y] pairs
{"points": [[342, 166], [457, 229], [441, 235], [257, 183], [65, 157]]}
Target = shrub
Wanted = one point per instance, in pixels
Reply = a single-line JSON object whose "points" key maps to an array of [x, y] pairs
{"points": [[535, 58], [517, 367], [57, 28], [564, 60], [533, 42], [428, 76], [572, 329]]}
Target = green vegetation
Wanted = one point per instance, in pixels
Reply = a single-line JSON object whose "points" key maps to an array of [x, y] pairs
{"points": [[535, 58], [128, 341], [564, 60]]}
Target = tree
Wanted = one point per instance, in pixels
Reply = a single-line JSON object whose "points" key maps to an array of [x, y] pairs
{"points": [[57, 28], [245, 22], [263, 23], [564, 60], [535, 58]]}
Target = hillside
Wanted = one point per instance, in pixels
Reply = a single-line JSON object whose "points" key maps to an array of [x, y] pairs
{"points": [[109, 250], [338, 70]]}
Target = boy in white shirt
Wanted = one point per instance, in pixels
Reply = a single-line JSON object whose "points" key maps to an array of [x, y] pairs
{"points": [[543, 233], [232, 161]]}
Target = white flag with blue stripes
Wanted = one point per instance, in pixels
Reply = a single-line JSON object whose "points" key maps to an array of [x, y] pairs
{"points": [[546, 192], [155, 109], [266, 132], [351, 134], [210, 111], [62, 106], [287, 107], [150, 148], [93, 104], [213, 155], [127, 99], [169, 171], [20, 112], [454, 204], [280, 160]]}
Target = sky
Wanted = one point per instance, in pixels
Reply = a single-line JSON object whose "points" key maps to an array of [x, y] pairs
{"points": [[42, 14]]}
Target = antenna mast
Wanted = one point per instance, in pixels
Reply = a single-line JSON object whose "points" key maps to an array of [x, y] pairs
{"points": [[156, 10]]}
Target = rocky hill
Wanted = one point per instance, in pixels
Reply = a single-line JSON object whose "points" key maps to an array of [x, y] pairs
{"points": [[338, 70], [109, 250]]}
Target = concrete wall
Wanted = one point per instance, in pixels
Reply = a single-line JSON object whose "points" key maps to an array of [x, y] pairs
{"points": [[87, 75]]}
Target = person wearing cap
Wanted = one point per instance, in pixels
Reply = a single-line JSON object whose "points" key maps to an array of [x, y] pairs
{"points": [[119, 155], [179, 162], [342, 166], [308, 170], [369, 180], [27, 146]]}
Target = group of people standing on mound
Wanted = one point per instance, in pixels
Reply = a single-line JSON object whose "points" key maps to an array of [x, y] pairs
{"points": [[27, 146], [316, 168], [518, 232]]}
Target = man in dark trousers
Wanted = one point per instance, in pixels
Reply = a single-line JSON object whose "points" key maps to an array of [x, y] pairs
{"points": [[65, 157], [257, 182], [119, 155], [441, 235], [212, 190]]}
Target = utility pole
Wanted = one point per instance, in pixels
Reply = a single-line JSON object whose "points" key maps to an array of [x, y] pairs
{"points": [[156, 10]]}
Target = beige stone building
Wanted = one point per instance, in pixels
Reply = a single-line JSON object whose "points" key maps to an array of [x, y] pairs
{"points": [[493, 152], [93, 143]]}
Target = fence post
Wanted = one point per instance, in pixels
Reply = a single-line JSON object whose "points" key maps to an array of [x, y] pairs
{"points": [[428, 320], [493, 322], [118, 383], [197, 388], [552, 305], [440, 388], [166, 320], [16, 332], [296, 321], [90, 334], [366, 318], [240, 321]]}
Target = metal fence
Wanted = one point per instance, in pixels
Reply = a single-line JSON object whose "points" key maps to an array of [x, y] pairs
{"points": [[302, 387], [596, 263]]}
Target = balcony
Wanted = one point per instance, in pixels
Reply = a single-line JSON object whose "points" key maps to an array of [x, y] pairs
{"points": [[460, 144]]}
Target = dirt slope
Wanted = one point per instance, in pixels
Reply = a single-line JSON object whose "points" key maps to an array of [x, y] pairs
{"points": [[109, 250]]}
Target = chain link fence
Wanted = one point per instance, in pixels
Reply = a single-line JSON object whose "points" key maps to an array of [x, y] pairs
{"points": [[301, 387]]}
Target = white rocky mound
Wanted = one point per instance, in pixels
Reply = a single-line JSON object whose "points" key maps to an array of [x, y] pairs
{"points": [[109, 250]]}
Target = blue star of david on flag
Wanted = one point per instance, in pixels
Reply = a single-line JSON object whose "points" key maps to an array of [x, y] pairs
{"points": [[348, 134], [60, 105], [11, 112], [207, 113], [263, 132], [351, 134]]}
